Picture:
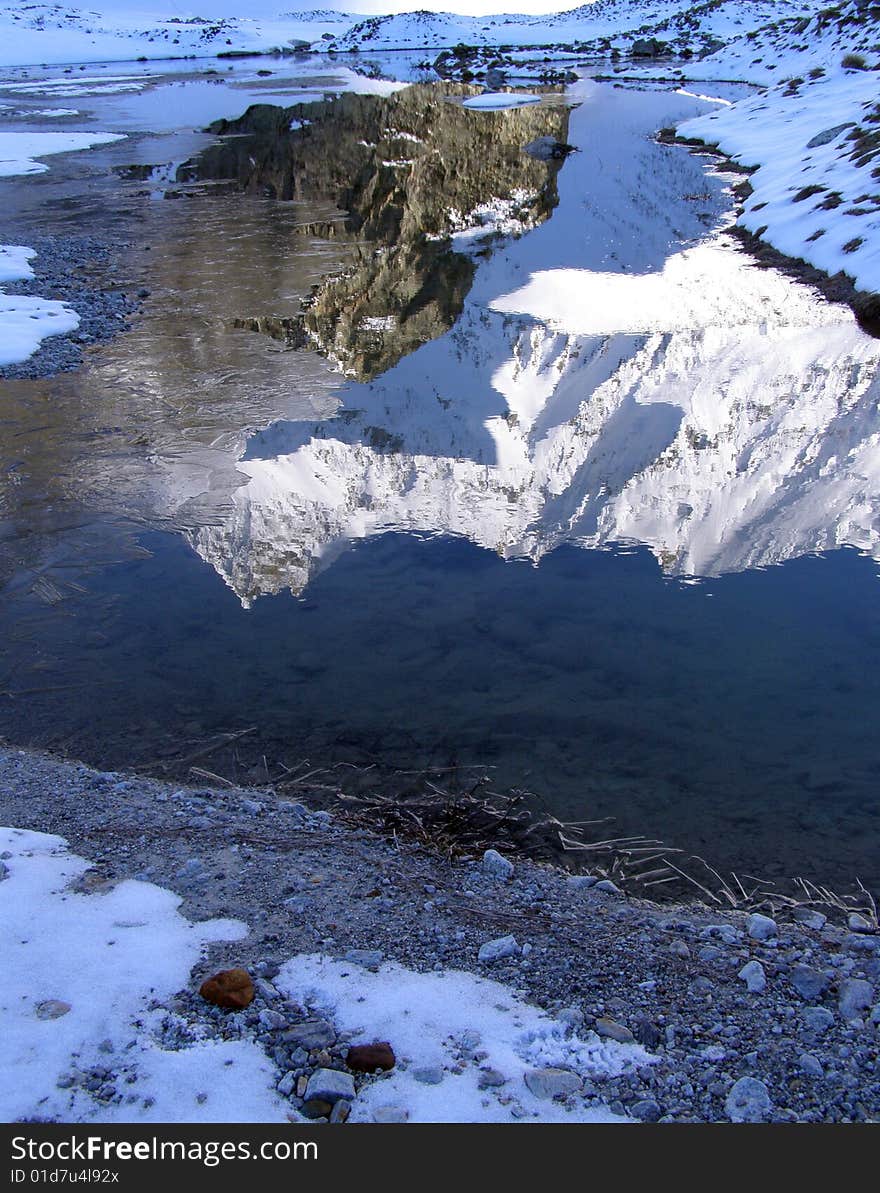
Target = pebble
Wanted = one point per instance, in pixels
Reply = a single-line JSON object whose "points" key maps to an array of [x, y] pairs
{"points": [[341, 1111], [817, 1019], [51, 1008], [581, 882], [498, 949], [809, 983], [748, 1101], [610, 1029], [311, 1034], [366, 1058], [761, 927], [608, 887], [497, 866], [390, 1114], [752, 973], [428, 1076], [367, 958], [329, 1085], [551, 1083], [855, 996], [858, 923], [647, 1110], [810, 918], [811, 1065]]}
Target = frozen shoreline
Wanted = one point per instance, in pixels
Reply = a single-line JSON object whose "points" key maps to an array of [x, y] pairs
{"points": [[684, 1000]]}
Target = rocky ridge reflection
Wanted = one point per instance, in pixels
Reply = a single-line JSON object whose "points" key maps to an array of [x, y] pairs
{"points": [[424, 185]]}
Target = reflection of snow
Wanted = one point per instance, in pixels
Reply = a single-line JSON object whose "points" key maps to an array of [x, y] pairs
{"points": [[605, 381]]}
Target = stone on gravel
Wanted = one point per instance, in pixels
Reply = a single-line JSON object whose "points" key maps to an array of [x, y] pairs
{"points": [[340, 1112], [817, 1019], [761, 927], [610, 1029], [367, 958], [748, 1101], [316, 1108], [752, 973], [490, 1079], [498, 949], [608, 887], [366, 1058], [647, 1033], [810, 918], [858, 923], [310, 1034], [647, 1110], [496, 865], [581, 882], [552, 1083], [809, 983], [329, 1085], [855, 996], [231, 989], [811, 1065]]}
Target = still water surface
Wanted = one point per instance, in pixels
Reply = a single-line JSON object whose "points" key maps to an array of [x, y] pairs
{"points": [[619, 545]]}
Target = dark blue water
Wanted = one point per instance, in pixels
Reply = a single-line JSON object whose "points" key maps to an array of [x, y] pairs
{"points": [[735, 718]]}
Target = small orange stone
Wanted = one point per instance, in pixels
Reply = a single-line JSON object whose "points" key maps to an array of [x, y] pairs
{"points": [[231, 989]]}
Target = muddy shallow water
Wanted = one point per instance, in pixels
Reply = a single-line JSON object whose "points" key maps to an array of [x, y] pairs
{"points": [[626, 559]]}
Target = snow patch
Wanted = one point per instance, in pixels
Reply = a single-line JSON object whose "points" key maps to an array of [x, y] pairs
{"points": [[459, 1025]]}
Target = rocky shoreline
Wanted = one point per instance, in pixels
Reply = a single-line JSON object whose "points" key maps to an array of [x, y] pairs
{"points": [[74, 270], [740, 1016]]}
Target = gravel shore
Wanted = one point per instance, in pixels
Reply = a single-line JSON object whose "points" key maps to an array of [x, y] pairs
{"points": [[77, 270], [746, 1017]]}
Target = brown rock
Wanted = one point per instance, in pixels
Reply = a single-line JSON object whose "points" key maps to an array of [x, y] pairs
{"points": [[231, 988], [366, 1058], [316, 1108]]}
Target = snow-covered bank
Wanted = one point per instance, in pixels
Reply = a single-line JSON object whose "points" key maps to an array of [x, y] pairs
{"points": [[503, 990], [83, 974], [19, 150], [25, 321], [815, 190], [89, 1035]]}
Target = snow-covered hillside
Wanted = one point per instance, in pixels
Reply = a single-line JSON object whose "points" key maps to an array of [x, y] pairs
{"points": [[815, 138], [55, 33], [618, 21], [65, 33]]}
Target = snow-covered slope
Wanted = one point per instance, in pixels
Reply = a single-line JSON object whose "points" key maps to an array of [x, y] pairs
{"points": [[620, 21], [60, 33], [47, 33], [815, 138]]}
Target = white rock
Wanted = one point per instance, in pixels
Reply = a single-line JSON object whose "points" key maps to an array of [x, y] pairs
{"points": [[552, 1083], [752, 973], [496, 865], [748, 1101], [330, 1085], [495, 950], [855, 996], [390, 1114], [760, 927]]}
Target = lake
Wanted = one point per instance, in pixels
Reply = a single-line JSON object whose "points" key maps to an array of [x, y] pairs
{"points": [[545, 477]]}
